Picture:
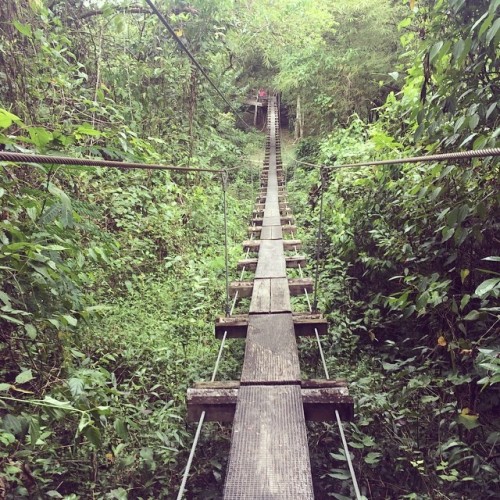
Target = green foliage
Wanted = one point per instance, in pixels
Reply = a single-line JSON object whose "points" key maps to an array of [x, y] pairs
{"points": [[409, 270], [111, 280]]}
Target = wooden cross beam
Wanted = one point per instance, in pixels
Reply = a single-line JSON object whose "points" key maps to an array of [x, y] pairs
{"points": [[320, 399]]}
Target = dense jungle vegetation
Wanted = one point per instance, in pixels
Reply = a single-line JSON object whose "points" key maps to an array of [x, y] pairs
{"points": [[111, 280]]}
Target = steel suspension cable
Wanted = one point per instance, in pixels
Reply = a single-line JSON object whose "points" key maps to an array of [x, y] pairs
{"points": [[94, 162], [478, 153], [172, 32]]}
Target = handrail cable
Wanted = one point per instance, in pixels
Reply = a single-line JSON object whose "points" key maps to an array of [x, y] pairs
{"points": [[164, 21], [478, 153], [91, 162]]}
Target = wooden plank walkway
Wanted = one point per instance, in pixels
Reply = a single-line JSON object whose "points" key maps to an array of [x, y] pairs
{"points": [[269, 456], [269, 405]]}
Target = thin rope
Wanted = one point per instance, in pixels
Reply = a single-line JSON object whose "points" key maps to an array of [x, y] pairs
{"points": [[200, 425], [66, 160], [164, 21], [478, 153]]}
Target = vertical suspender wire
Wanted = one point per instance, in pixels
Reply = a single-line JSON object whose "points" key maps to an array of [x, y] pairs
{"points": [[348, 456], [200, 425], [221, 348], [319, 237], [226, 257], [315, 303]]}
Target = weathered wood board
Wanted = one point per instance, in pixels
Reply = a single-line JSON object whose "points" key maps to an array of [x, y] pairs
{"points": [[271, 262], [271, 354], [219, 401], [264, 463]]}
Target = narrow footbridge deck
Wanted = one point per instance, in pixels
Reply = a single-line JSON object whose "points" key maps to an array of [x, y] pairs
{"points": [[269, 405]]}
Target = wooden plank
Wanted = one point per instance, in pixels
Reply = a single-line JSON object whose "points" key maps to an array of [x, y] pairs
{"points": [[298, 286], [304, 325], [280, 296], [251, 245], [276, 232], [218, 400], [295, 261], [261, 296], [271, 355], [271, 233], [291, 244], [282, 206], [289, 228], [292, 261], [272, 210], [272, 220], [310, 383], [271, 262], [269, 457], [243, 288]]}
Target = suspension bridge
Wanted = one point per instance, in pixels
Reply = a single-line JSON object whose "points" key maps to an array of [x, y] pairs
{"points": [[270, 404]]}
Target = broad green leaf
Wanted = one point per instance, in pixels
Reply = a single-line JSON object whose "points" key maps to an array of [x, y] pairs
{"points": [[373, 458], [435, 49], [75, 386], [463, 274], [14, 424], [492, 32], [490, 109], [34, 430], [87, 129], [487, 286], [24, 377], [32, 213], [493, 258], [121, 429], [447, 233], [468, 421], [70, 319], [5, 387], [473, 121], [11, 319], [40, 136], [5, 298], [464, 301], [7, 119], [55, 247], [93, 434], [24, 29], [485, 25], [458, 49], [472, 316], [63, 405], [429, 399]]}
